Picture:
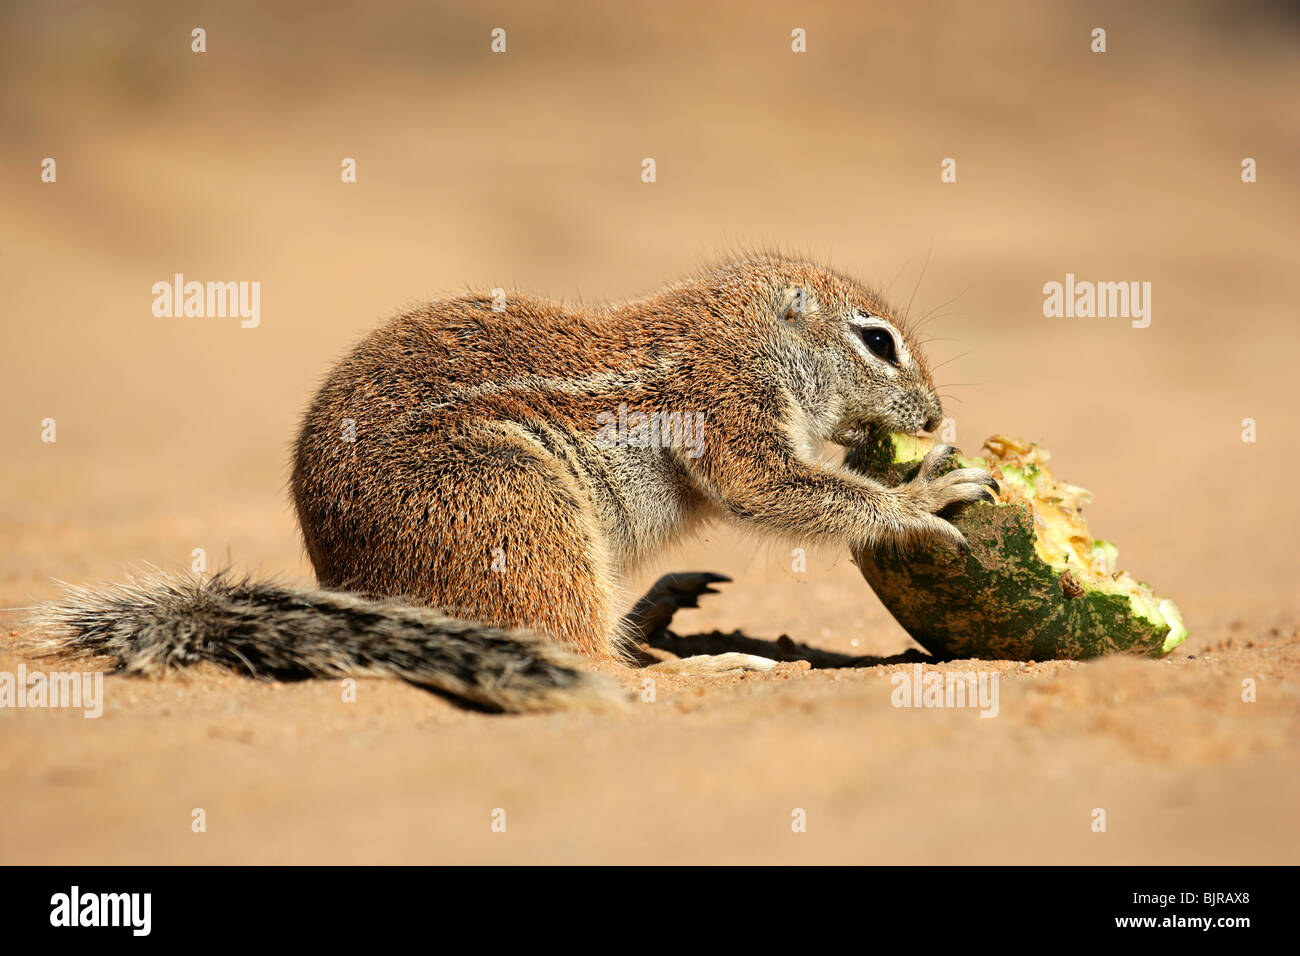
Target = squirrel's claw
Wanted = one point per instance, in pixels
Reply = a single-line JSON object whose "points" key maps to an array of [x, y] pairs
{"points": [[667, 596]]}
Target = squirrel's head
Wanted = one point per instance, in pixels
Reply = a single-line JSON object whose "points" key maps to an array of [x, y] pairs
{"points": [[853, 365], [831, 344]]}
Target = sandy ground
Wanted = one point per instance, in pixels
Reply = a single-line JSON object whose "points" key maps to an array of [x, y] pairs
{"points": [[523, 170]]}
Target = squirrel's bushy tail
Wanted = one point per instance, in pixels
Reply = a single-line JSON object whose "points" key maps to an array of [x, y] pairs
{"points": [[269, 631]]}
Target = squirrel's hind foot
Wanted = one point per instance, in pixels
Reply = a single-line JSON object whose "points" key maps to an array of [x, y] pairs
{"points": [[653, 613]]}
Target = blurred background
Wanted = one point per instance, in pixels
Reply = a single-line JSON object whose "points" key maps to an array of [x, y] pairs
{"points": [[523, 169]]}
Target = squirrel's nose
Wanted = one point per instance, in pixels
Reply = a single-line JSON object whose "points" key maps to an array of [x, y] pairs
{"points": [[936, 417]]}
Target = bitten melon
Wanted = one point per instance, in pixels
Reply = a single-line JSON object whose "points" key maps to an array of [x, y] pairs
{"points": [[1035, 584]]}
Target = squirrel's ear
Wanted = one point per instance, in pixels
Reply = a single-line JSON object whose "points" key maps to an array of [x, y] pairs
{"points": [[795, 303]]}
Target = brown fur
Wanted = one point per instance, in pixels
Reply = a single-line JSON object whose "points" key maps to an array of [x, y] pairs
{"points": [[465, 511], [474, 431]]}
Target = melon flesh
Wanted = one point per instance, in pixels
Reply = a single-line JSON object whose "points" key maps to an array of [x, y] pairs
{"points": [[1035, 584]]}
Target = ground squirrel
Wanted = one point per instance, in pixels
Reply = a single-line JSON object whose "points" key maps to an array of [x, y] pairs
{"points": [[474, 479]]}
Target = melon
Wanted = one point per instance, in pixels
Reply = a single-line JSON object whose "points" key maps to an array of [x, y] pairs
{"points": [[1034, 584]]}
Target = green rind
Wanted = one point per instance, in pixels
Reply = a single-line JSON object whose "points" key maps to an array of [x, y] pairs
{"points": [[1000, 600]]}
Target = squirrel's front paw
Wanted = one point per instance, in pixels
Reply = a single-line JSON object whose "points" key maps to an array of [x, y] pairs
{"points": [[931, 492]]}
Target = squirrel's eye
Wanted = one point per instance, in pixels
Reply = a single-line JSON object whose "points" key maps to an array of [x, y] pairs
{"points": [[881, 344]]}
